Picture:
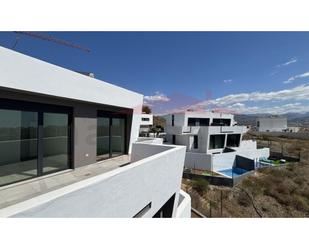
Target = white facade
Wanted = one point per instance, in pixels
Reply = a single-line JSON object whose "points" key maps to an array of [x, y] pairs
{"points": [[208, 137], [271, 124], [146, 123], [146, 119], [148, 185], [23, 73]]}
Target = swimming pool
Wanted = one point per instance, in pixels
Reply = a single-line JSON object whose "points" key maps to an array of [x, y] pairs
{"points": [[233, 172]]}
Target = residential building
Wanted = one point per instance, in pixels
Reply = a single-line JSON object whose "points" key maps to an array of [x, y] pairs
{"points": [[69, 148], [213, 140], [146, 124], [271, 124]]}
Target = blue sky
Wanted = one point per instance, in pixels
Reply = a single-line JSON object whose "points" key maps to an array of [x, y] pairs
{"points": [[241, 72]]}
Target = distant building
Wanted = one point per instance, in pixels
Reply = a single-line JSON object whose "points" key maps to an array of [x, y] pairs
{"points": [[271, 124], [146, 124], [213, 140]]}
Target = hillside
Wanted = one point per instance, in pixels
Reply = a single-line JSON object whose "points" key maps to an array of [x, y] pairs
{"points": [[270, 192], [294, 119]]}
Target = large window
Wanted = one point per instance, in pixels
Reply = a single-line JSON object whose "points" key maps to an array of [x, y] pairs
{"points": [[55, 142], [18, 146], [198, 121], [216, 142], [221, 122], [233, 140], [195, 142], [33, 141], [118, 136], [111, 135], [103, 128]]}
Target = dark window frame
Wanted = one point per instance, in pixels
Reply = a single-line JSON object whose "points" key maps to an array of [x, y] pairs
{"points": [[143, 211], [110, 115], [195, 141], [213, 142], [228, 140], [221, 122], [40, 109], [198, 121], [173, 139]]}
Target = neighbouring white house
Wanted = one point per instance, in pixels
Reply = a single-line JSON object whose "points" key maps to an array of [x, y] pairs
{"points": [[69, 147], [271, 124], [213, 141], [146, 124]]}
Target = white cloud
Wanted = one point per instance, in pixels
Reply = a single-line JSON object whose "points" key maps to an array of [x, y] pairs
{"points": [[227, 81], [157, 97], [235, 102], [299, 76], [290, 61], [282, 109], [297, 93]]}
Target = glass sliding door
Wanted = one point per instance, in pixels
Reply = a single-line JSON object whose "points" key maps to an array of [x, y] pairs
{"points": [[111, 136], [117, 137], [18, 145], [103, 138], [56, 142], [35, 139]]}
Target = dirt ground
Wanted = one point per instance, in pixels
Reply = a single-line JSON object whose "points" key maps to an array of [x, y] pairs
{"points": [[270, 192]]}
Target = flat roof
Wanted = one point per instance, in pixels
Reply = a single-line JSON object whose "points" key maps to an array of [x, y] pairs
{"points": [[24, 73]]}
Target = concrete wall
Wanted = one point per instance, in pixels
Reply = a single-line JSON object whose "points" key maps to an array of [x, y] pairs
{"points": [[227, 160], [244, 163], [198, 161], [223, 161], [148, 140], [247, 144], [122, 192], [184, 205]]}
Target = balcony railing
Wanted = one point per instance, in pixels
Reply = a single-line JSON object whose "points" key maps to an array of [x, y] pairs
{"points": [[154, 175]]}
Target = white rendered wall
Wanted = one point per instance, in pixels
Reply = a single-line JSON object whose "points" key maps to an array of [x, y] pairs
{"points": [[272, 124], [44, 78], [149, 140], [147, 116], [198, 161], [181, 119], [122, 192], [226, 160], [184, 205]]}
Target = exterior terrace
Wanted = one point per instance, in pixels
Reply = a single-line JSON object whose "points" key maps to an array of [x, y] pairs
{"points": [[103, 189]]}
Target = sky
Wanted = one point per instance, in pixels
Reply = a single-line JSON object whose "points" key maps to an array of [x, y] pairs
{"points": [[235, 72]]}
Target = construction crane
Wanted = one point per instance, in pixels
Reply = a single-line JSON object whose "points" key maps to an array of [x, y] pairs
{"points": [[49, 38]]}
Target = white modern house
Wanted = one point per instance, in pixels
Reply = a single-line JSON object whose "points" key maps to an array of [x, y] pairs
{"points": [[213, 140], [146, 123], [69, 148], [272, 124]]}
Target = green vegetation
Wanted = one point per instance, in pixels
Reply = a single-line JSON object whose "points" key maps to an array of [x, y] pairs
{"points": [[146, 109], [200, 185]]}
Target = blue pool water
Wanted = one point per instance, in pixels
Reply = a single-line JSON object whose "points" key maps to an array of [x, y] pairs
{"points": [[233, 172]]}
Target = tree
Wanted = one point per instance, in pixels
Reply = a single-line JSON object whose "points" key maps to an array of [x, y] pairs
{"points": [[146, 109]]}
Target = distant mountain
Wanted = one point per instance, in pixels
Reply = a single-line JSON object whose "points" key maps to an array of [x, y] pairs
{"points": [[294, 119]]}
